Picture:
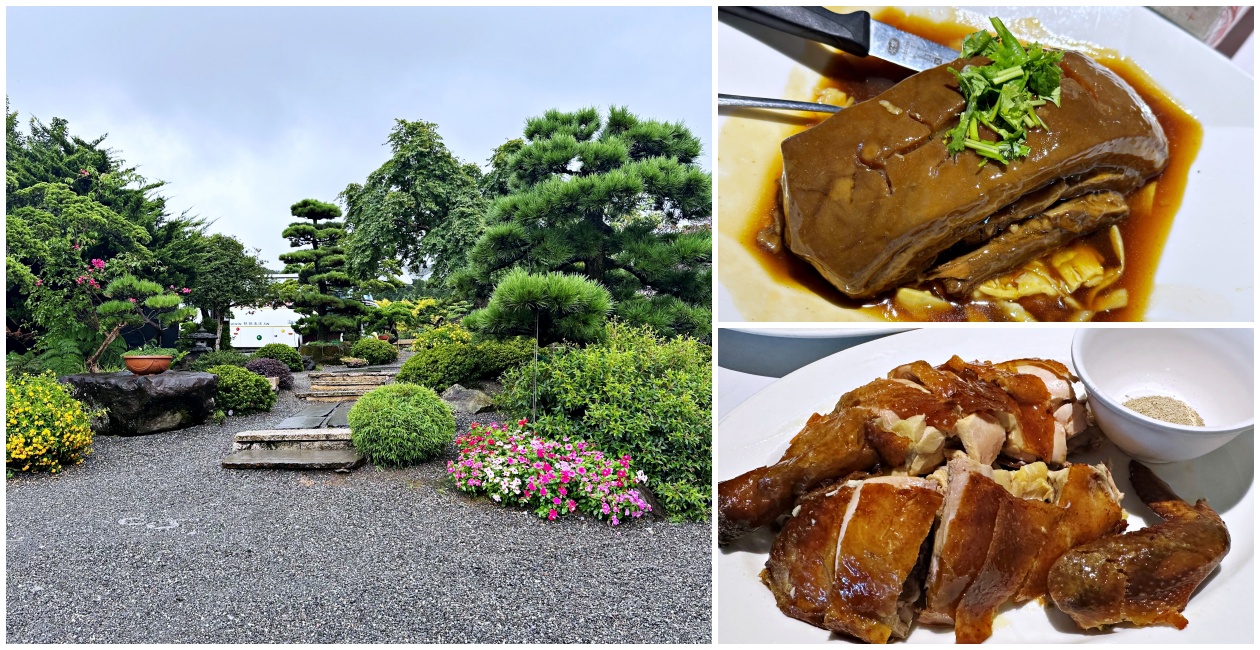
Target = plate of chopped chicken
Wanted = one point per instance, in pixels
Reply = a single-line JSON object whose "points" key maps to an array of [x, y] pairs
{"points": [[1072, 164], [949, 485]]}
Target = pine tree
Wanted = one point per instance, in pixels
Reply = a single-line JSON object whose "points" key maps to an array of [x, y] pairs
{"points": [[323, 296], [621, 202]]}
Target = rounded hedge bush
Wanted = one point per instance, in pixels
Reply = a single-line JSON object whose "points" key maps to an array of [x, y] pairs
{"points": [[375, 351], [219, 358], [494, 357], [398, 425], [291, 357], [271, 368], [46, 429], [241, 391], [440, 367], [442, 335]]}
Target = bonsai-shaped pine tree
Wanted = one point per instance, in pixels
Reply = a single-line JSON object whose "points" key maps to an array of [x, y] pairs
{"points": [[136, 302], [551, 307], [323, 286], [621, 202]]}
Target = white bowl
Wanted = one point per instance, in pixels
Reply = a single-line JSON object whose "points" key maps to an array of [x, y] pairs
{"points": [[1209, 369]]}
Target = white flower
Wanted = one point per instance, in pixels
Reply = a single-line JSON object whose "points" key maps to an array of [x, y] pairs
{"points": [[495, 497], [640, 477]]}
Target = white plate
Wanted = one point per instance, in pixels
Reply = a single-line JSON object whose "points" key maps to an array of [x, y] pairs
{"points": [[756, 433], [1215, 220], [819, 332]]}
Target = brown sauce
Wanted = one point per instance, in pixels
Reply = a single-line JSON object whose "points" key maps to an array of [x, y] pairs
{"points": [[1144, 231]]}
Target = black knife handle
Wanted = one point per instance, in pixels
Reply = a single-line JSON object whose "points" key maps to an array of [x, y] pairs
{"points": [[848, 32]]}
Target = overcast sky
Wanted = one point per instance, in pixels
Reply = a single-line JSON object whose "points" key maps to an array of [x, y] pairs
{"points": [[245, 111]]}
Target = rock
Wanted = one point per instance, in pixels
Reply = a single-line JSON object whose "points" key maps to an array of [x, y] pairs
{"points": [[467, 400], [140, 405], [308, 364]]}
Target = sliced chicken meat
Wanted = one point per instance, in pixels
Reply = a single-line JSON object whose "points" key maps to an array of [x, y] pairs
{"points": [[844, 560], [1025, 409]]}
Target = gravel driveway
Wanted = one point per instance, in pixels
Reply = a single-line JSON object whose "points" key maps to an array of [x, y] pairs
{"points": [[151, 541]]}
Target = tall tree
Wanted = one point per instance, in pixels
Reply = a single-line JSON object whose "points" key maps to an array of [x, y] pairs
{"points": [[421, 207], [230, 276], [621, 201], [324, 296], [72, 203]]}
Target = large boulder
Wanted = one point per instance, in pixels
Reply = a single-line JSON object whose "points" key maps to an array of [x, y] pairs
{"points": [[467, 400], [140, 405]]}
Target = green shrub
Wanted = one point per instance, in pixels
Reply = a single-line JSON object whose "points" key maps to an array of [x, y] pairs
{"points": [[46, 427], [398, 425], [375, 351], [441, 335], [241, 391], [633, 394], [282, 352], [440, 367], [219, 358], [494, 357]]}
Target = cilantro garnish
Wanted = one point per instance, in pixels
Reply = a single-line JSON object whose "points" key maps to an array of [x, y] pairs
{"points": [[1004, 95]]}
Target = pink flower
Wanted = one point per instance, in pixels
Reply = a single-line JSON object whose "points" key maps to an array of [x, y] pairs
{"points": [[39, 282], [98, 264], [185, 290], [551, 516], [75, 247], [556, 500], [615, 521], [132, 299], [522, 421], [572, 505]]}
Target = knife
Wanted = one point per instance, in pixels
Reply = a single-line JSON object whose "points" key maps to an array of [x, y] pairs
{"points": [[742, 101], [855, 33]]}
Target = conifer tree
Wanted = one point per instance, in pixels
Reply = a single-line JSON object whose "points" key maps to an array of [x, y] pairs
{"points": [[324, 294], [620, 201]]}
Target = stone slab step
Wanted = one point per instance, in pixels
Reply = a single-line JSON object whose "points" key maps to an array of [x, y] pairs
{"points": [[335, 459], [331, 395], [301, 422], [316, 410], [340, 417], [344, 385], [354, 376], [361, 388], [338, 438]]}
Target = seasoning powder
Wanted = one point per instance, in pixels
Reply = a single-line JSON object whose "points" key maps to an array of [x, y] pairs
{"points": [[1167, 409]]}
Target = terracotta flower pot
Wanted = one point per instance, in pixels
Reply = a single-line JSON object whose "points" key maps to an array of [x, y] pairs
{"points": [[383, 337], [148, 365]]}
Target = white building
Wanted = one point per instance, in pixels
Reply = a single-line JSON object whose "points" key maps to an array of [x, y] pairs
{"points": [[254, 327]]}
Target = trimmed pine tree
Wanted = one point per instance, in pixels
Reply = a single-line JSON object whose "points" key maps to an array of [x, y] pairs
{"points": [[324, 290], [620, 201], [549, 307]]}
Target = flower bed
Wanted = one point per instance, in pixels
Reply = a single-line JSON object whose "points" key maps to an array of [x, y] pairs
{"points": [[515, 467]]}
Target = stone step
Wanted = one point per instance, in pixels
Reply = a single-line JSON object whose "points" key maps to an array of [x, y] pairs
{"points": [[340, 417], [337, 438], [335, 459], [361, 388], [332, 395], [375, 377]]}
